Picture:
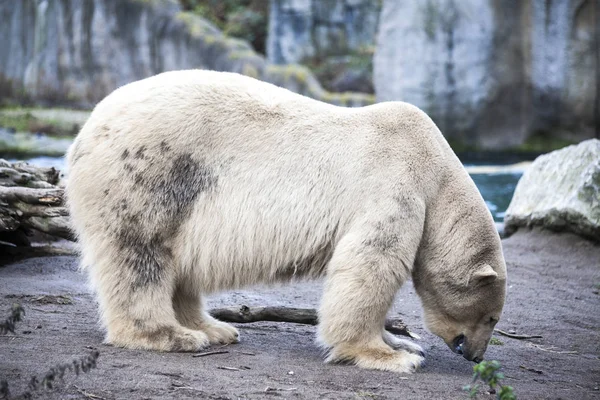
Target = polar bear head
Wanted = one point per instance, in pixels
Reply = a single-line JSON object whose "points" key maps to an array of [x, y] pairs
{"points": [[465, 316], [460, 276]]}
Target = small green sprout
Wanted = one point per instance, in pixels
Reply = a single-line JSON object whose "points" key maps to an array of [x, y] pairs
{"points": [[488, 372]]}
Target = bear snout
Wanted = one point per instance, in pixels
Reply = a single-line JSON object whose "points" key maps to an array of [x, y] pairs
{"points": [[460, 345]]}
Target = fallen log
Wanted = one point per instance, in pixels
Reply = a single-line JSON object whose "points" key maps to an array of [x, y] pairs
{"points": [[31, 200], [306, 316]]}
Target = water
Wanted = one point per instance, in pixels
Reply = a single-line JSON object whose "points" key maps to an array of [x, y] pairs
{"points": [[496, 183], [497, 191]]}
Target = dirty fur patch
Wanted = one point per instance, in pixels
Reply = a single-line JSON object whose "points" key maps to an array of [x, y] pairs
{"points": [[167, 198]]}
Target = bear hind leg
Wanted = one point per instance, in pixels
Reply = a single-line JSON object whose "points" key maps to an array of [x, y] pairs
{"points": [[190, 313], [135, 294]]}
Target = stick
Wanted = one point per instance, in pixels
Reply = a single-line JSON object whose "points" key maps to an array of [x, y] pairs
{"points": [[209, 353], [306, 316], [88, 394], [520, 337]]}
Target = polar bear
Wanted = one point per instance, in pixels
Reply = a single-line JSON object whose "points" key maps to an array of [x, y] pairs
{"points": [[192, 182]]}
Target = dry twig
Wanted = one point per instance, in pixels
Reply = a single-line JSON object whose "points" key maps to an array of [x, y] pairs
{"points": [[519, 337], [210, 353], [306, 316]]}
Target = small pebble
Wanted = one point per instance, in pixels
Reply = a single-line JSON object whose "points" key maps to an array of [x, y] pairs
{"points": [[290, 372], [512, 331]]}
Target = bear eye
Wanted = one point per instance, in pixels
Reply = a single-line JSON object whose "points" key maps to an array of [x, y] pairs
{"points": [[493, 321]]}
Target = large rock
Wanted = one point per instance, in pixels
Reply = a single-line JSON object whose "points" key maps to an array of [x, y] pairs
{"points": [[75, 52], [492, 74], [560, 191]]}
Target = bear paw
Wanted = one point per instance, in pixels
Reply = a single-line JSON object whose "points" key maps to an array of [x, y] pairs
{"points": [[159, 338], [221, 333], [402, 344], [380, 357]]}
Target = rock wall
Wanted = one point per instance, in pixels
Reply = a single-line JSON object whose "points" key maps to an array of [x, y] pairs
{"points": [[306, 29], [335, 37], [75, 52], [494, 74]]}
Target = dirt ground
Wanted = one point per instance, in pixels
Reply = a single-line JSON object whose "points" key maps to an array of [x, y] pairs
{"points": [[553, 291]]}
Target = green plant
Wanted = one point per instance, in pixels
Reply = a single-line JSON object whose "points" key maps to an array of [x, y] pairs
{"points": [[496, 342], [489, 373]]}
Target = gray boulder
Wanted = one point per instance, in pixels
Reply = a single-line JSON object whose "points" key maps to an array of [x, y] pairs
{"points": [[560, 191]]}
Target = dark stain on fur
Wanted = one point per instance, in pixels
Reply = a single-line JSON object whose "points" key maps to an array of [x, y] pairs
{"points": [[164, 333], [147, 258], [105, 127], [168, 195], [138, 179], [106, 192], [139, 154], [125, 154], [185, 180], [383, 241], [164, 147]]}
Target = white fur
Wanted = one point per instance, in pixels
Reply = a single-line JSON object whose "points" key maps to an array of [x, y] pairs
{"points": [[240, 182]]}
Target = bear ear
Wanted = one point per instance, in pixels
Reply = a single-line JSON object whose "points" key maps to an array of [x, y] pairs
{"points": [[482, 276]]}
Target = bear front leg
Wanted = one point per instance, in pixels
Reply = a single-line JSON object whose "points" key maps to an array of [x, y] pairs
{"points": [[190, 313], [361, 283]]}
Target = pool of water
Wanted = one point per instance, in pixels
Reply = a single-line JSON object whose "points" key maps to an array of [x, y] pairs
{"points": [[497, 191], [496, 183]]}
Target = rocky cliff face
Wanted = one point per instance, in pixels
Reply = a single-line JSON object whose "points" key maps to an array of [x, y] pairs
{"points": [[494, 74], [75, 52], [306, 29], [335, 37]]}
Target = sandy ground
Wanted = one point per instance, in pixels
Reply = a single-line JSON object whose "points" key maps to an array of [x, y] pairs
{"points": [[554, 284]]}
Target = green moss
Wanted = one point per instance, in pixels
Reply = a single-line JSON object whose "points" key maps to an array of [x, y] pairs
{"points": [[460, 146], [496, 342], [543, 142], [18, 122], [241, 55], [197, 27], [250, 70], [430, 18], [54, 122], [245, 19]]}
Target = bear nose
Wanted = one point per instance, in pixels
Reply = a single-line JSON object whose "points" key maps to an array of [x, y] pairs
{"points": [[457, 344]]}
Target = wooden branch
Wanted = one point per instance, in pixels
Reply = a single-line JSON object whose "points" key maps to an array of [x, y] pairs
{"points": [[306, 316], [50, 197], [12, 254], [57, 226], [23, 173], [519, 337], [31, 201]]}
